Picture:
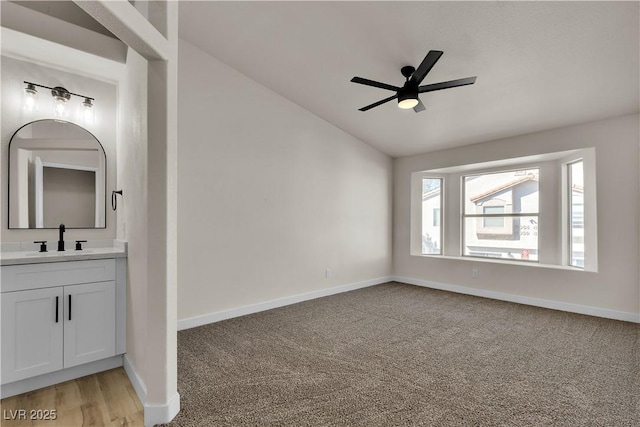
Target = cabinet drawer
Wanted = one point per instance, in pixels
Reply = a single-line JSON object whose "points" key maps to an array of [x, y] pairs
{"points": [[34, 276]]}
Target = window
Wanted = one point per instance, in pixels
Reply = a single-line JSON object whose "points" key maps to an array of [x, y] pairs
{"points": [[500, 215], [534, 210], [490, 221], [576, 213], [431, 216]]}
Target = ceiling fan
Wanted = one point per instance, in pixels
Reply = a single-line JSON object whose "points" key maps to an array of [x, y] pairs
{"points": [[408, 94]]}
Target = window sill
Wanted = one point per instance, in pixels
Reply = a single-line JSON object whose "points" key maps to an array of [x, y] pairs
{"points": [[504, 262]]}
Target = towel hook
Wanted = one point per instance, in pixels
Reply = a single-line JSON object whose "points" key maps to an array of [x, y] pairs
{"points": [[114, 200]]}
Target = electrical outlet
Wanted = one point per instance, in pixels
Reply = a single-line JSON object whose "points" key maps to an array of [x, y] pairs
{"points": [[327, 273], [475, 273]]}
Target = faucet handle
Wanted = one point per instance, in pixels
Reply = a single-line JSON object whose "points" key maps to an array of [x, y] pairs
{"points": [[79, 244], [43, 245]]}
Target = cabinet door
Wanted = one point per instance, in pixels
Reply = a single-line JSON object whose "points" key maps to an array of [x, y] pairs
{"points": [[31, 334], [89, 322]]}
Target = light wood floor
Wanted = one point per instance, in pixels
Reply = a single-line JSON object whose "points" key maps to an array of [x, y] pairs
{"points": [[104, 399]]}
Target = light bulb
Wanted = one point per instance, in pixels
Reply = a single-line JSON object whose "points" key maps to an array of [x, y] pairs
{"points": [[88, 112], [60, 108], [30, 97], [60, 97]]}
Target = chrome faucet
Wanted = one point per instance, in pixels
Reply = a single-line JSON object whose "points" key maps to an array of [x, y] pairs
{"points": [[61, 239]]}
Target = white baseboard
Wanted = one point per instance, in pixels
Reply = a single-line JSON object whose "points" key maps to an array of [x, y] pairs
{"points": [[153, 413], [537, 302], [161, 414], [192, 322], [137, 383]]}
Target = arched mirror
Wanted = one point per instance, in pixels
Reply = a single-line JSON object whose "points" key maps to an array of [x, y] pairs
{"points": [[57, 175]]}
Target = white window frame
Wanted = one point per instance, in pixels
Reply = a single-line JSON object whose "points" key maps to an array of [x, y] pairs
{"points": [[441, 209]]}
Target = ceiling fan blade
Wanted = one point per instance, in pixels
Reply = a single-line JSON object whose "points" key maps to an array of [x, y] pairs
{"points": [[375, 104], [427, 64], [373, 83], [447, 85], [419, 107]]}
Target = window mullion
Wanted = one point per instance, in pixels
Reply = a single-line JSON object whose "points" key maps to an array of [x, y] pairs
{"points": [[500, 215]]}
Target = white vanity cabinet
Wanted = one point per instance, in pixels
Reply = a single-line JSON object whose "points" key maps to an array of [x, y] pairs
{"points": [[58, 318]]}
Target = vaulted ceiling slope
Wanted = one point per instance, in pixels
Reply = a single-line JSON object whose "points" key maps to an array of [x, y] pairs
{"points": [[540, 65], [67, 11]]}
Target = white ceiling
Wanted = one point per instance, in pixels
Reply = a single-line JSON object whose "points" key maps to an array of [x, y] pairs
{"points": [[540, 65]]}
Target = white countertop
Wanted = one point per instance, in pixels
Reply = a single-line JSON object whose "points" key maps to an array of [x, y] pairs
{"points": [[106, 249]]}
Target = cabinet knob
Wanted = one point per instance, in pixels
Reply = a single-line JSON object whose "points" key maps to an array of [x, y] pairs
{"points": [[43, 245]]}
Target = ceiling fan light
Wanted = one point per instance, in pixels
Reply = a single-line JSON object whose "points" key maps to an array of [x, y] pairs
{"points": [[407, 103]]}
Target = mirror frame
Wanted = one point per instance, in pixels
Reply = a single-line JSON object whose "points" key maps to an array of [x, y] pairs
{"points": [[104, 153]]}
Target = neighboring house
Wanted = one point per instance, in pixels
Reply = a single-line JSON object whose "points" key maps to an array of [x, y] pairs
{"points": [[502, 236]]}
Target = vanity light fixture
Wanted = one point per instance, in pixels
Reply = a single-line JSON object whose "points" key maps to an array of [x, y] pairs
{"points": [[61, 97]]}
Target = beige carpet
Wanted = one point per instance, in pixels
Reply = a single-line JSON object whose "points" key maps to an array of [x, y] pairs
{"points": [[399, 355]]}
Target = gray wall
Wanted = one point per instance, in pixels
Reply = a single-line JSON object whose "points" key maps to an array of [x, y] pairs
{"points": [[270, 196], [614, 287]]}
